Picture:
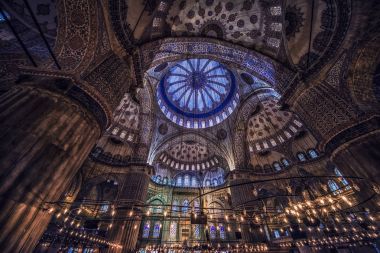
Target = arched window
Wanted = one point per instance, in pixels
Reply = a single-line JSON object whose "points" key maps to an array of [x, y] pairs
{"points": [[301, 157], [175, 206], [158, 179], [72, 250], [186, 181], [196, 205], [173, 230], [104, 208], [156, 229], [313, 153], [157, 206], [194, 182], [208, 183], [197, 231], [215, 182], [334, 188], [220, 180], [342, 179], [276, 233], [276, 166], [212, 231], [2, 18], [179, 181], [285, 162], [185, 206], [165, 180], [146, 229], [222, 232]]}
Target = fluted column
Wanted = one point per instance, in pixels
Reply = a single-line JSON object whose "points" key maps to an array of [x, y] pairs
{"points": [[135, 189], [44, 138]]}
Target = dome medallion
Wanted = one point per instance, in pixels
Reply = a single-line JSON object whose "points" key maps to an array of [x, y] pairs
{"points": [[198, 93]]}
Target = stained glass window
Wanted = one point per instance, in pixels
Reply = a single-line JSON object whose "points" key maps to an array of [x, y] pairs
{"points": [[313, 153], [156, 229], [197, 229], [179, 181], [333, 187], [276, 166], [185, 206], [104, 208], [175, 207], [2, 18], [173, 230], [342, 179], [222, 232], [157, 206], [196, 205], [186, 181], [212, 231], [146, 229], [276, 234], [301, 157], [285, 162], [194, 182], [197, 93]]}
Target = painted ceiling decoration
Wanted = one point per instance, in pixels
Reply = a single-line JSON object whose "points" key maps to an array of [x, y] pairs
{"points": [[188, 109], [271, 127], [189, 151], [126, 120], [190, 156], [324, 26], [246, 22], [198, 93], [235, 57]]}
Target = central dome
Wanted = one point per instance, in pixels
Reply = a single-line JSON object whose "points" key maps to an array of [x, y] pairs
{"points": [[197, 93]]}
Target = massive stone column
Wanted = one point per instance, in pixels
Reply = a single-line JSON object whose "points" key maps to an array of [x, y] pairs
{"points": [[360, 157], [125, 232], [44, 137]]}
